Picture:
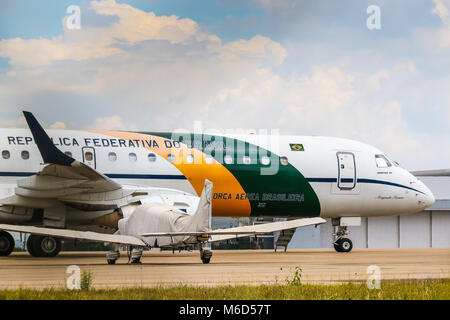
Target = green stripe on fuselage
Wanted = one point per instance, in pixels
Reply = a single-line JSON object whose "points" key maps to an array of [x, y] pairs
{"points": [[286, 193]]}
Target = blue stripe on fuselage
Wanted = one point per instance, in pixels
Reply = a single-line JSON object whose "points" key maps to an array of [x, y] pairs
{"points": [[110, 175], [334, 180], [181, 177], [145, 176]]}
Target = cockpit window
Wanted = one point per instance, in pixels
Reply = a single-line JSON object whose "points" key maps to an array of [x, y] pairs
{"points": [[394, 163], [382, 161]]}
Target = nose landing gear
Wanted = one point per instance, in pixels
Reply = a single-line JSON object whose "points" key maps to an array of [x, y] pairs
{"points": [[342, 244]]}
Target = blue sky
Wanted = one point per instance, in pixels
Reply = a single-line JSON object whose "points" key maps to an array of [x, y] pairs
{"points": [[303, 67]]}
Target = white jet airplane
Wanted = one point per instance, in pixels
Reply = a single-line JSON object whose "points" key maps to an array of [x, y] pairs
{"points": [[148, 189]]}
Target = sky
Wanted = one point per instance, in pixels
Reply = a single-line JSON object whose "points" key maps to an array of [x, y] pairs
{"points": [[300, 67]]}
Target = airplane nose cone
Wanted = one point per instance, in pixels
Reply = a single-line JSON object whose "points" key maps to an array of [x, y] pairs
{"points": [[427, 197]]}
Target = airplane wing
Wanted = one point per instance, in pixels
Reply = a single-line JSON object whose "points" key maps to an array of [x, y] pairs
{"points": [[232, 233], [63, 179], [227, 234], [63, 172], [214, 235], [73, 234]]}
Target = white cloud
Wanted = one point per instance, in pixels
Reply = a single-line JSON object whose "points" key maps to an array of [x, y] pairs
{"points": [[58, 125], [437, 40], [375, 80], [110, 123], [133, 26], [13, 123], [329, 102], [441, 10], [258, 47]]}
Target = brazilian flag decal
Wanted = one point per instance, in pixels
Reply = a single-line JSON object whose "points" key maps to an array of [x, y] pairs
{"points": [[297, 147]]}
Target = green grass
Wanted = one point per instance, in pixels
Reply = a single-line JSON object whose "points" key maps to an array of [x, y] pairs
{"points": [[422, 290]]}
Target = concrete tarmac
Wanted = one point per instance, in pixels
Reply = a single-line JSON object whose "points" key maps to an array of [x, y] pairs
{"points": [[227, 267]]}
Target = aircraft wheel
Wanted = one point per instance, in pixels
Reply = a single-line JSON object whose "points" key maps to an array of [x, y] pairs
{"points": [[205, 255], [30, 248], [6, 244], [337, 247], [112, 256], [343, 245], [206, 260], [43, 246]]}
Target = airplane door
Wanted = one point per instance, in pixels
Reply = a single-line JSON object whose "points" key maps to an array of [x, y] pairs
{"points": [[346, 171], [89, 156]]}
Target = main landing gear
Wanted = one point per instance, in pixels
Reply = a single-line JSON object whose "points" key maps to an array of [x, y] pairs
{"points": [[134, 255], [43, 246], [342, 244], [6, 244], [205, 252]]}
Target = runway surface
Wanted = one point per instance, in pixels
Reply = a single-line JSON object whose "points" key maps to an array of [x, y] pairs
{"points": [[226, 267]]}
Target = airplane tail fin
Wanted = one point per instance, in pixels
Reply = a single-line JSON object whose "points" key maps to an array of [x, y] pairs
{"points": [[202, 217]]}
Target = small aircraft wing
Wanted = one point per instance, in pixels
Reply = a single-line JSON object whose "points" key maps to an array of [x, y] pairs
{"points": [[174, 234], [73, 234], [220, 235], [246, 231]]}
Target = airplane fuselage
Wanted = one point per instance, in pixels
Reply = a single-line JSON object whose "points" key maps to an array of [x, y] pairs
{"points": [[275, 176]]}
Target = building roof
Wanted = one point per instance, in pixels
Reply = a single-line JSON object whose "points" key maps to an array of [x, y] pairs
{"points": [[432, 173]]}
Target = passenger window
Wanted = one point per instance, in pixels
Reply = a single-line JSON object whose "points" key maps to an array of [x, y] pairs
{"points": [[247, 160], [151, 157], [112, 156], [25, 155], [189, 158], [170, 158], [228, 159], [88, 156], [5, 154], [209, 159], [68, 153], [132, 157], [265, 160], [382, 161], [284, 161]]}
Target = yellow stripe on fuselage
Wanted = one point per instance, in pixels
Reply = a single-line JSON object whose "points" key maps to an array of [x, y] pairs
{"points": [[223, 180]]}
